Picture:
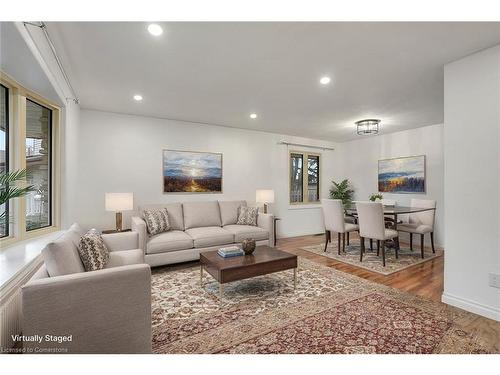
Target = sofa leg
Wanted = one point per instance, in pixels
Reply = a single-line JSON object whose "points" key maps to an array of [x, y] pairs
{"points": [[432, 242]]}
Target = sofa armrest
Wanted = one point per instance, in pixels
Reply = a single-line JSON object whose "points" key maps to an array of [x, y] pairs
{"points": [[139, 226], [121, 241], [266, 221], [105, 311]]}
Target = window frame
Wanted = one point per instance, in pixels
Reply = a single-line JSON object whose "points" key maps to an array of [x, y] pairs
{"points": [[50, 183], [7, 157], [18, 95], [305, 177]]}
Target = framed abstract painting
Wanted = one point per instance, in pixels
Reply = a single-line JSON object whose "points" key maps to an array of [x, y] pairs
{"points": [[192, 172], [402, 175]]}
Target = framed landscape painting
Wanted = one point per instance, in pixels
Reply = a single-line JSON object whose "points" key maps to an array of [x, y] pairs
{"points": [[192, 172], [402, 175]]}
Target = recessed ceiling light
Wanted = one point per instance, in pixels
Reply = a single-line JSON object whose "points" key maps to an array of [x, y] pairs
{"points": [[138, 97], [253, 116], [325, 80], [155, 29]]}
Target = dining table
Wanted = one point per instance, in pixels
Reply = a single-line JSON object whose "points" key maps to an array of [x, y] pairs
{"points": [[394, 211]]}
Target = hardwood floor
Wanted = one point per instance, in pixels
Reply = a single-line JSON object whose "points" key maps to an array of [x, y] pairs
{"points": [[425, 279]]}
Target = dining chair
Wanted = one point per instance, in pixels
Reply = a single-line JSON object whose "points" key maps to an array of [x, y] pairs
{"points": [[371, 225], [333, 216], [420, 223]]}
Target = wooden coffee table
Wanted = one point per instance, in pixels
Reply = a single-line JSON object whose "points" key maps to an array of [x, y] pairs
{"points": [[263, 261]]}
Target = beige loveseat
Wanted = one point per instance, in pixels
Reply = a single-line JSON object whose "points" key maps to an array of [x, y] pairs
{"points": [[197, 227], [105, 311]]}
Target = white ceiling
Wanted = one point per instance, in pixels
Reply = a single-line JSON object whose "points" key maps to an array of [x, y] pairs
{"points": [[219, 73]]}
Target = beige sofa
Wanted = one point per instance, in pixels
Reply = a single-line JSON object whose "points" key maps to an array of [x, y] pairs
{"points": [[197, 227], [105, 311]]}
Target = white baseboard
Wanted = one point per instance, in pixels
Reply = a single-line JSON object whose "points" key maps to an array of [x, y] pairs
{"points": [[471, 306]]}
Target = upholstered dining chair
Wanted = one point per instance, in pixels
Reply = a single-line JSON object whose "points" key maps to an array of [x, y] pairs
{"points": [[333, 216], [420, 223], [371, 225], [389, 220]]}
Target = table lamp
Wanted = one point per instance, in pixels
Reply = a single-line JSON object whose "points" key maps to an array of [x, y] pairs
{"points": [[119, 202], [264, 196]]}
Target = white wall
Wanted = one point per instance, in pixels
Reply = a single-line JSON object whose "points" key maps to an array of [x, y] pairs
{"points": [[472, 182], [359, 161], [123, 153]]}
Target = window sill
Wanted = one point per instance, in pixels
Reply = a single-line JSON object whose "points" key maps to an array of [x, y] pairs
{"points": [[15, 258], [304, 206]]}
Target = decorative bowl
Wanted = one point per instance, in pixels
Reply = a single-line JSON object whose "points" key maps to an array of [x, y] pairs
{"points": [[248, 246]]}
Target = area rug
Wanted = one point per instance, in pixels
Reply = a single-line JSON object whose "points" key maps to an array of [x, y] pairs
{"points": [[329, 312], [372, 262]]}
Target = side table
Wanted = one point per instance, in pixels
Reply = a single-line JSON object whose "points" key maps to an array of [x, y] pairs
{"points": [[111, 231], [276, 219]]}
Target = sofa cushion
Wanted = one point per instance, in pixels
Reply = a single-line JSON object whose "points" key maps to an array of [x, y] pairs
{"points": [[210, 236], [157, 221], [248, 216], [174, 210], [61, 256], [201, 214], [169, 241], [247, 231], [93, 251], [125, 258], [229, 211]]}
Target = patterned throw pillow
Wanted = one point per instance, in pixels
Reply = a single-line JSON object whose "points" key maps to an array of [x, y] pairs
{"points": [[248, 216], [93, 252], [157, 221]]}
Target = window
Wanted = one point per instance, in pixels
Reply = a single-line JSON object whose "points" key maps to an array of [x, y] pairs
{"points": [[304, 177], [33, 144], [38, 165], [4, 154]]}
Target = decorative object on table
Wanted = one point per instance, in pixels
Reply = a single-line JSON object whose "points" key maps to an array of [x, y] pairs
{"points": [[248, 245], [402, 175], [248, 216], [192, 172], [367, 127], [9, 189], [119, 202], [230, 251], [92, 250], [375, 197], [265, 197], [343, 191], [156, 221]]}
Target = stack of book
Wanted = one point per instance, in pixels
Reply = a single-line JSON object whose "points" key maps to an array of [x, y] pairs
{"points": [[230, 251]]}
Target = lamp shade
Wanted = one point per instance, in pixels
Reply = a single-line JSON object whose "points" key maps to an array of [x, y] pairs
{"points": [[119, 202], [264, 196]]}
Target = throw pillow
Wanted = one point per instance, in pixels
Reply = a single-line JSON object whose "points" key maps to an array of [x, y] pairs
{"points": [[93, 252], [248, 216], [157, 221]]}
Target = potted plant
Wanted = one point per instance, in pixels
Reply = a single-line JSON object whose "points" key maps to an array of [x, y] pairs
{"points": [[10, 189], [376, 196], [343, 191]]}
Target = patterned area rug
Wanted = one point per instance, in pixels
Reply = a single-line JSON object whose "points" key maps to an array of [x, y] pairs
{"points": [[372, 262], [329, 312]]}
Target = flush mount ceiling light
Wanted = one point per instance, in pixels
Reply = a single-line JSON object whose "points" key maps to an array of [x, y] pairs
{"points": [[367, 127], [155, 29], [137, 97], [253, 116], [325, 80]]}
